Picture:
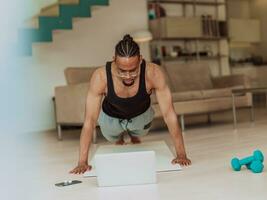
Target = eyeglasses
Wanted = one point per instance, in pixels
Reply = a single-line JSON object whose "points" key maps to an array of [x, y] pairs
{"points": [[125, 74]]}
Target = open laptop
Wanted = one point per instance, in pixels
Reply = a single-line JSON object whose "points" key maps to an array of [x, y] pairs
{"points": [[130, 168]]}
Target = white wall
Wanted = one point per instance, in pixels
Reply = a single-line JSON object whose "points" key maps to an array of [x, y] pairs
{"points": [[8, 66], [29, 84], [259, 11], [247, 9], [9, 80], [239, 9], [32, 7], [254, 9]]}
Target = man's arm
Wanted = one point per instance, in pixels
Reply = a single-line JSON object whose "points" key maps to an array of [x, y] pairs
{"points": [[93, 105], [164, 98]]}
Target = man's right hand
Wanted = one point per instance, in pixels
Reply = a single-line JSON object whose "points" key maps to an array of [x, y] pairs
{"points": [[81, 168]]}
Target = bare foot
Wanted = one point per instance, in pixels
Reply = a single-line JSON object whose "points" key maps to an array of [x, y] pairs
{"points": [[134, 139], [120, 141]]}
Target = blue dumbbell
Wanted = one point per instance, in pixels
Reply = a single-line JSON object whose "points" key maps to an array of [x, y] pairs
{"points": [[256, 166], [237, 164], [258, 155]]}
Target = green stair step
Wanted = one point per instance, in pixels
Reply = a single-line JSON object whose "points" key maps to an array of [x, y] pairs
{"points": [[35, 35], [49, 23], [74, 11], [98, 2], [53, 23], [28, 36]]}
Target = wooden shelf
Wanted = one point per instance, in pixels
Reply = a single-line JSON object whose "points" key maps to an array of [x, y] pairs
{"points": [[203, 3], [187, 29], [166, 59], [187, 38]]}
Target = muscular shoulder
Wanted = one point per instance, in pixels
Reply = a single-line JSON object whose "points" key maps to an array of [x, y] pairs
{"points": [[155, 75], [98, 80]]}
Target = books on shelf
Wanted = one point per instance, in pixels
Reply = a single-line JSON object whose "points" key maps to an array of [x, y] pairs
{"points": [[210, 26]]}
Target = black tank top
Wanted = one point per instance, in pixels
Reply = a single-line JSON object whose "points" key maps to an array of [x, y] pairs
{"points": [[126, 108]]}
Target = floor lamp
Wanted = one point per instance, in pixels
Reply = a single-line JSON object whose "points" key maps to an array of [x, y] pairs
{"points": [[142, 37]]}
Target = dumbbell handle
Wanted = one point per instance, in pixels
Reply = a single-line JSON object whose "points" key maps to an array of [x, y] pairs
{"points": [[246, 160]]}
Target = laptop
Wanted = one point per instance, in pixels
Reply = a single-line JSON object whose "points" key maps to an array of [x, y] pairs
{"points": [[129, 168]]}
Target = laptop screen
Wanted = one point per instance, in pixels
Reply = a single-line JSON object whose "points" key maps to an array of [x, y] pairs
{"points": [[129, 168]]}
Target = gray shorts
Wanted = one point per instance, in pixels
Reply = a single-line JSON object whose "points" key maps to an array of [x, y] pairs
{"points": [[112, 128]]}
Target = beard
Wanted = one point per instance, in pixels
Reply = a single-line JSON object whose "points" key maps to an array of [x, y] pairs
{"points": [[128, 82]]}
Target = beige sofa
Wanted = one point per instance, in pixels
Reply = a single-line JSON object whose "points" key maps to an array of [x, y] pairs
{"points": [[194, 91]]}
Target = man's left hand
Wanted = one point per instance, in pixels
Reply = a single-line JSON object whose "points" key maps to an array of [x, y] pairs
{"points": [[184, 161]]}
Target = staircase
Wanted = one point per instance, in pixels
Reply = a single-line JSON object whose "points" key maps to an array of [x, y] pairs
{"points": [[55, 17]]}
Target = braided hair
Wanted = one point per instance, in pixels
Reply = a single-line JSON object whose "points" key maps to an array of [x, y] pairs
{"points": [[127, 47]]}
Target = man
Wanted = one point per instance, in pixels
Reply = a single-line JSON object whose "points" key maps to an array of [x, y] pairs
{"points": [[126, 84]]}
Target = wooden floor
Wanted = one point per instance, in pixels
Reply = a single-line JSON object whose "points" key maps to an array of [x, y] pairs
{"points": [[36, 161]]}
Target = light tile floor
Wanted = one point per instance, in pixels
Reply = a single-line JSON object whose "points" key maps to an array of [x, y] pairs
{"points": [[32, 163]]}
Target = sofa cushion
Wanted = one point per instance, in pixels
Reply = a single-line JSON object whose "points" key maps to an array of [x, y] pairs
{"points": [[216, 93], [187, 96], [221, 92], [76, 75], [237, 87], [189, 76], [180, 96], [231, 81], [167, 78], [70, 103]]}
